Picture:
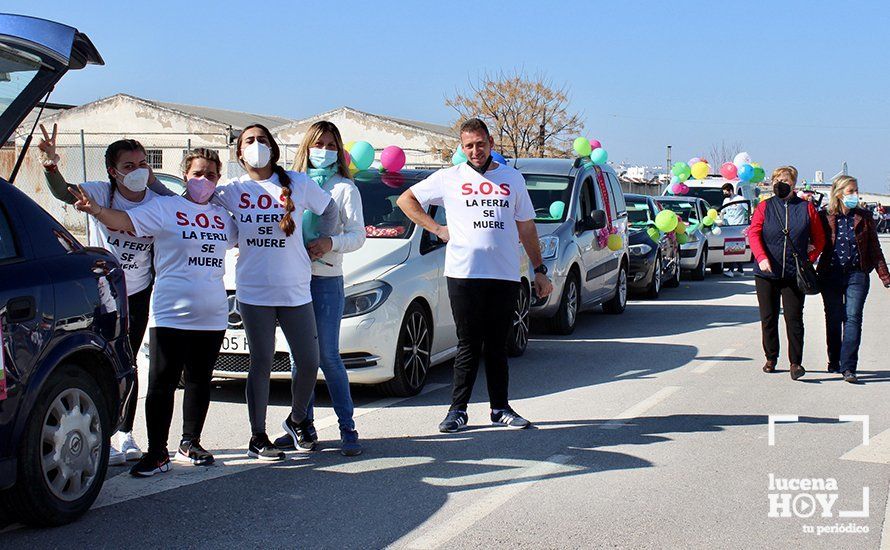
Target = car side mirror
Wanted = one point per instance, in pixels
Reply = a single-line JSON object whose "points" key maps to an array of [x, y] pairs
{"points": [[596, 220]]}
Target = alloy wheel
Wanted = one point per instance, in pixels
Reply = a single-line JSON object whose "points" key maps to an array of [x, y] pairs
{"points": [[416, 348], [71, 442]]}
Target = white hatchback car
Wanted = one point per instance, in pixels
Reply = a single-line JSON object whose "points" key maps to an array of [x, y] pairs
{"points": [[397, 321]]}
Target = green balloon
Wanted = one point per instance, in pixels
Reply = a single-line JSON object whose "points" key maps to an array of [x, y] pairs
{"points": [[581, 146], [654, 234], [666, 221], [759, 175], [556, 209], [599, 156], [682, 238], [707, 222]]}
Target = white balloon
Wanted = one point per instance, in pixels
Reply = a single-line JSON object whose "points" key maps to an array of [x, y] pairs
{"points": [[742, 159], [716, 230]]}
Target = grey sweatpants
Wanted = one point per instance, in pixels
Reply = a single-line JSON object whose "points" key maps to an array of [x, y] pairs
{"points": [[298, 325]]}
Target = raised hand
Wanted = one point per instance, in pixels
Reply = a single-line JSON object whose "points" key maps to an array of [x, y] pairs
{"points": [[47, 146], [84, 204]]}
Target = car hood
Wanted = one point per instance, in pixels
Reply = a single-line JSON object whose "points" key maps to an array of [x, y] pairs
{"points": [[34, 42], [548, 228]]}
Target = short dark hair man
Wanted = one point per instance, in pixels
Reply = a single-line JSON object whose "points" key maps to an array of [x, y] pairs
{"points": [[488, 209]]}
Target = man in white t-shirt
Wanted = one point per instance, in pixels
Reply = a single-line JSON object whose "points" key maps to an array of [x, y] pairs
{"points": [[487, 211]]}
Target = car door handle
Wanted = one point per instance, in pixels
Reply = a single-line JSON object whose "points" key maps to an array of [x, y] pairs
{"points": [[21, 309]]}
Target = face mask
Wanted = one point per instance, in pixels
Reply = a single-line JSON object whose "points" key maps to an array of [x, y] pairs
{"points": [[200, 189], [851, 201], [782, 189], [135, 181], [257, 155], [322, 158]]}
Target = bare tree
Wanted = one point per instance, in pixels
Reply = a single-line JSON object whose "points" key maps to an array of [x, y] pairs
{"points": [[527, 116], [723, 152]]}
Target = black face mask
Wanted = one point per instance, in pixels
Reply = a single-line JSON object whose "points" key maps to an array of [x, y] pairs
{"points": [[484, 168], [782, 189]]}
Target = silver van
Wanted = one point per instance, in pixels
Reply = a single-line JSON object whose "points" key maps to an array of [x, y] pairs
{"points": [[577, 206]]}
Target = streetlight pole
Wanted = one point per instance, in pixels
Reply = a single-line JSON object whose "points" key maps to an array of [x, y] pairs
{"points": [[668, 167]]}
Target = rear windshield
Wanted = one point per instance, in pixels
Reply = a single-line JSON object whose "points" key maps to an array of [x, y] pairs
{"points": [[383, 218], [17, 70], [685, 210], [550, 196], [712, 195]]}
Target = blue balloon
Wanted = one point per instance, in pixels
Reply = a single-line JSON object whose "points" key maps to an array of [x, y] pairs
{"points": [[746, 172], [498, 158]]}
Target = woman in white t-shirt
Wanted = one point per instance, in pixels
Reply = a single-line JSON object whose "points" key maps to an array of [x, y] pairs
{"points": [[127, 187], [322, 156], [272, 280], [189, 308]]}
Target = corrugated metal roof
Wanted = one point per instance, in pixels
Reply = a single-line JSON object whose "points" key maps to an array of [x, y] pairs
{"points": [[236, 119], [439, 129]]}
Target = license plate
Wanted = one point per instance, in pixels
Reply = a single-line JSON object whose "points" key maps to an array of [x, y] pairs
{"points": [[235, 342], [734, 247]]}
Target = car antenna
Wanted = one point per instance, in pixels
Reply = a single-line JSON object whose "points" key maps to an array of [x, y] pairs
{"points": [[21, 158]]}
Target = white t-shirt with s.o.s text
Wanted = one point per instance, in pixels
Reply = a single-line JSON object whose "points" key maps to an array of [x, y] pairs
{"points": [[273, 269], [481, 212], [190, 243]]}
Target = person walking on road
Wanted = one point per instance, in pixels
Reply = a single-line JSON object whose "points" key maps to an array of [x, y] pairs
{"points": [[488, 210], [781, 224], [130, 184], [844, 269], [734, 214], [273, 276], [322, 156], [189, 307]]}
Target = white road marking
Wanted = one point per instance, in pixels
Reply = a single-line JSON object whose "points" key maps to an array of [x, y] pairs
{"points": [[706, 366], [877, 450], [640, 408], [124, 487], [509, 469], [447, 524], [377, 464], [885, 532]]}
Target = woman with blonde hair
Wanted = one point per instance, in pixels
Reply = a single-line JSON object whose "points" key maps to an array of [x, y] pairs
{"points": [[853, 253], [323, 158], [782, 227]]}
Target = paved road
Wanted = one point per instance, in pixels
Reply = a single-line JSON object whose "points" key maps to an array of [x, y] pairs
{"points": [[651, 432]]}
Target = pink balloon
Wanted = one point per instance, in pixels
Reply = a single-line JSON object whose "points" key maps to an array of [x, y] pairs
{"points": [[675, 188], [595, 143], [684, 189], [348, 158], [392, 158], [729, 171]]}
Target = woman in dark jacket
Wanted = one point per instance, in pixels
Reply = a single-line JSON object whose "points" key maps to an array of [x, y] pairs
{"points": [[854, 252], [775, 272]]}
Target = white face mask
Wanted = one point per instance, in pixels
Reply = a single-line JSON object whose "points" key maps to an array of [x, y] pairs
{"points": [[136, 181], [322, 158], [257, 155]]}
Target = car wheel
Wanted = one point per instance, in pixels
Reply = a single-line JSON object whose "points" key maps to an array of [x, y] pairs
{"points": [[674, 281], [654, 288], [63, 454], [413, 354], [717, 269], [569, 304], [698, 274], [618, 303], [517, 340]]}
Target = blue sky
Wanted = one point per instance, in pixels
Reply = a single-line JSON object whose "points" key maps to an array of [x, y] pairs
{"points": [[796, 82]]}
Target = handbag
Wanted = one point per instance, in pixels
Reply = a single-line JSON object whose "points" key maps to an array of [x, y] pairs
{"points": [[805, 274]]}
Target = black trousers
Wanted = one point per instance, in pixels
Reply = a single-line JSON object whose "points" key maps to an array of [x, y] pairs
{"points": [[483, 313], [173, 352], [137, 304], [769, 293]]}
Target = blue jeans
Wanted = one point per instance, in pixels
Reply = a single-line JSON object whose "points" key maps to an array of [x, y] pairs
{"points": [[844, 297], [327, 301]]}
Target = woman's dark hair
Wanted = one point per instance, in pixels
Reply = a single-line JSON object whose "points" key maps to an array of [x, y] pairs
{"points": [[113, 154], [287, 222]]}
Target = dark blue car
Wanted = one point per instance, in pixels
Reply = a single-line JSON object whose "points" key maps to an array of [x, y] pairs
{"points": [[63, 313]]}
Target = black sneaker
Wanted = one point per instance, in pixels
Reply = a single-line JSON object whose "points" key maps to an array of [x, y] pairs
{"points": [[454, 422], [151, 464], [303, 434], [508, 417], [262, 449], [191, 452], [833, 368], [850, 376], [285, 442], [349, 445]]}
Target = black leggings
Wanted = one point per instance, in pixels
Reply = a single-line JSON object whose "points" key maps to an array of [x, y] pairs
{"points": [[137, 304], [173, 351]]}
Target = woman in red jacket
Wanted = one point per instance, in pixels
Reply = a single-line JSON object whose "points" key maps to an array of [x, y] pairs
{"points": [[781, 224], [854, 253]]}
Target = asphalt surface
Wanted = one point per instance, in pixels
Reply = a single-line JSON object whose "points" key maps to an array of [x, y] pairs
{"points": [[651, 431]]}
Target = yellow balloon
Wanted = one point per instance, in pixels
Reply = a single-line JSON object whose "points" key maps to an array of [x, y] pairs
{"points": [[712, 213], [755, 165], [615, 243], [348, 145], [700, 170]]}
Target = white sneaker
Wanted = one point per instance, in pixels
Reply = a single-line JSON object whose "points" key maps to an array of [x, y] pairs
{"points": [[729, 274], [128, 446], [115, 457]]}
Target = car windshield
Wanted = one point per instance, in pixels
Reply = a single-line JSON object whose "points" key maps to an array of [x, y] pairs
{"points": [[684, 209], [638, 212], [550, 196], [17, 70], [712, 195], [383, 218], [736, 213]]}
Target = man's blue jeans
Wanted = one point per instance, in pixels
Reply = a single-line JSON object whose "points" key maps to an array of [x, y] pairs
{"points": [[327, 301], [844, 297]]}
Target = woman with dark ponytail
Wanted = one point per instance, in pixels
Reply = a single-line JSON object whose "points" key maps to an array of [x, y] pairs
{"points": [[272, 279]]}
